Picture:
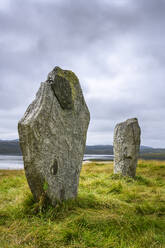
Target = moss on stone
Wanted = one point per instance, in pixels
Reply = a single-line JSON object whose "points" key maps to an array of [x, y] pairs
{"points": [[45, 186], [70, 77]]}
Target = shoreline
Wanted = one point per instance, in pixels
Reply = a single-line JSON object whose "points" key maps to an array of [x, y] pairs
{"points": [[84, 162]]}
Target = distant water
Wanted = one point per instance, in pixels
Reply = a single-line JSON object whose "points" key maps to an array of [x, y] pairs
{"points": [[98, 157], [11, 162], [16, 162]]}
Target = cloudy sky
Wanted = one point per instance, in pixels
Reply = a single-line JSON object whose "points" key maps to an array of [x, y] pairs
{"points": [[116, 48]]}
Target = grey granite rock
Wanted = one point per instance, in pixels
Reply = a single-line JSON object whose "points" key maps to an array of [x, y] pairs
{"points": [[52, 136], [126, 147]]}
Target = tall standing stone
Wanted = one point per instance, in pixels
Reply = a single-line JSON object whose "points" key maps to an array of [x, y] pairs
{"points": [[126, 147], [52, 136]]}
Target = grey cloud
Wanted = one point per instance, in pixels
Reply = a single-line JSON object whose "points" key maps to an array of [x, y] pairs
{"points": [[87, 37]]}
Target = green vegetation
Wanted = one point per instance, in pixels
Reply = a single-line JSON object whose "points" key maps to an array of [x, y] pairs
{"points": [[71, 77], [110, 211], [45, 186]]}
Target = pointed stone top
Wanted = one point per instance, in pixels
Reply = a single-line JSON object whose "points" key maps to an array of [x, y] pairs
{"points": [[132, 120], [67, 74], [63, 83]]}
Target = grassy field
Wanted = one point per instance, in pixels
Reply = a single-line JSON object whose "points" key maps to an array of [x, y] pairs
{"points": [[109, 212]]}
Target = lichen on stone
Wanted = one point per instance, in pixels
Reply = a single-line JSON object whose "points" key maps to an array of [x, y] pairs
{"points": [[70, 77], [53, 157], [126, 147]]}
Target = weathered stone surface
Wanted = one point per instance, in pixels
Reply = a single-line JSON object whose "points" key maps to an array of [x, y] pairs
{"points": [[53, 135], [126, 147]]}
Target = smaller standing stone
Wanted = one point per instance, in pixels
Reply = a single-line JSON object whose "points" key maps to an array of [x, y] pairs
{"points": [[126, 147]]}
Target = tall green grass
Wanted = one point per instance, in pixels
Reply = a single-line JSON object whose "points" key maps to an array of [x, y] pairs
{"points": [[110, 211]]}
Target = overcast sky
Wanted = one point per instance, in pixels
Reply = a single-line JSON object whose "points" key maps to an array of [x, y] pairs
{"points": [[115, 47]]}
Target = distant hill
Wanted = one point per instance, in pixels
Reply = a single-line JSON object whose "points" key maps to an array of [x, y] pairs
{"points": [[99, 149], [152, 153], [11, 147]]}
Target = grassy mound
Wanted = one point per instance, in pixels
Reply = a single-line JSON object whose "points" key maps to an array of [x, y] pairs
{"points": [[110, 211]]}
